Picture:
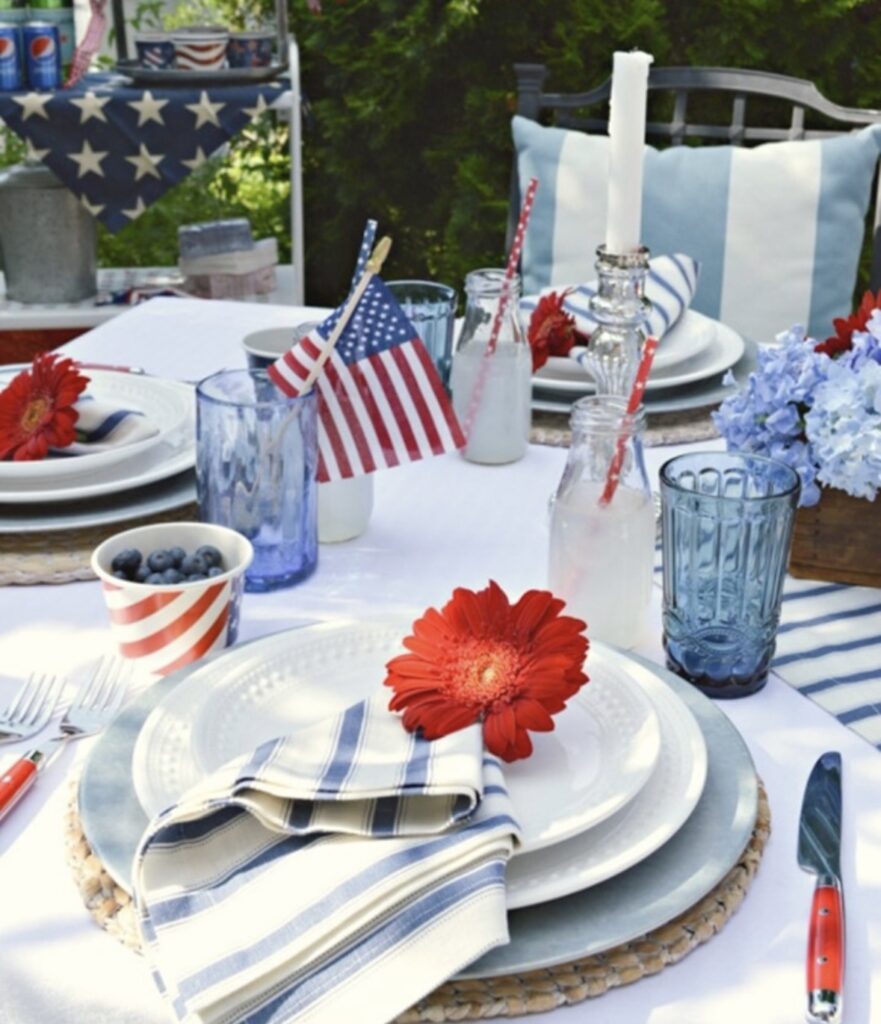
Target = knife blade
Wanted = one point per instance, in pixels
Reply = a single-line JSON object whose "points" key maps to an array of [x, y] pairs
{"points": [[819, 852]]}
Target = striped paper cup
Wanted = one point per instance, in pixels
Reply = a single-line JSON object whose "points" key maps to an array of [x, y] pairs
{"points": [[198, 49], [167, 626]]}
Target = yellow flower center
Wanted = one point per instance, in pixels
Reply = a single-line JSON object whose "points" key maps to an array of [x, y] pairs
{"points": [[483, 671], [34, 413]]}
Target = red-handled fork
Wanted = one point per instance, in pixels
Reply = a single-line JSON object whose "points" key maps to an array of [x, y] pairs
{"points": [[95, 705]]}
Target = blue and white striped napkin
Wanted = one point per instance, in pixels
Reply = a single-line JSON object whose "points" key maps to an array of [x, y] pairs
{"points": [[669, 286], [338, 874], [103, 425]]}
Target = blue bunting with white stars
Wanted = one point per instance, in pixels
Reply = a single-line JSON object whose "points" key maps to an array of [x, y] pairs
{"points": [[119, 148]]}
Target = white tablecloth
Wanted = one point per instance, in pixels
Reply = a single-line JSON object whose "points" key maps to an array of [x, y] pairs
{"points": [[436, 525]]}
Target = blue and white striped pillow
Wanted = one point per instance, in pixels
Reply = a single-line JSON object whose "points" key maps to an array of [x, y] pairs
{"points": [[777, 229]]}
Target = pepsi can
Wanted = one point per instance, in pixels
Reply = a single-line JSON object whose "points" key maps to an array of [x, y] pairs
{"points": [[42, 54], [10, 56]]}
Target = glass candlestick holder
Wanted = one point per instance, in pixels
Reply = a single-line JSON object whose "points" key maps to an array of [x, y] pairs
{"points": [[620, 308]]}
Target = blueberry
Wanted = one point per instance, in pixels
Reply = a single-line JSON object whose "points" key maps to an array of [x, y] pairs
{"points": [[120, 575], [193, 564], [196, 576], [177, 556], [210, 554], [126, 561], [172, 576], [141, 574], [155, 577], [159, 561], [215, 570]]}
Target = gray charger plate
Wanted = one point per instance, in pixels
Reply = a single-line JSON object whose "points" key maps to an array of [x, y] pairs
{"points": [[645, 897], [679, 399], [161, 496], [178, 76]]}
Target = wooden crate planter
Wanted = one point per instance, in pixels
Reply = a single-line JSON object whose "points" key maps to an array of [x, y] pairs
{"points": [[838, 540]]}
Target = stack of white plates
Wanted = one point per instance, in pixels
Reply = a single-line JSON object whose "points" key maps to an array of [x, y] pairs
{"points": [[686, 373], [144, 477], [642, 784]]}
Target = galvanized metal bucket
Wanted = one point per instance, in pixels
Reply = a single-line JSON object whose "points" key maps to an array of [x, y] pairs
{"points": [[48, 238]]}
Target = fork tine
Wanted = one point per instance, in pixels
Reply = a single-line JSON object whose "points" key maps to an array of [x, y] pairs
{"points": [[34, 698], [47, 705], [12, 710], [88, 694], [102, 697], [121, 680]]}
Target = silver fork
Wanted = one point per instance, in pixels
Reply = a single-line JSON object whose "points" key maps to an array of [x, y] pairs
{"points": [[31, 708], [94, 706]]}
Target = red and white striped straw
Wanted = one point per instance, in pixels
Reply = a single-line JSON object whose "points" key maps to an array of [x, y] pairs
{"points": [[633, 403], [504, 298]]}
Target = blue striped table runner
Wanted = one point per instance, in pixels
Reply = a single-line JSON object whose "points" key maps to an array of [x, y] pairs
{"points": [[829, 648]]}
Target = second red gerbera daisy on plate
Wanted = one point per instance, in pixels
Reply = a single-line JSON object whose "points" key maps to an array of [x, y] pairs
{"points": [[483, 659]]}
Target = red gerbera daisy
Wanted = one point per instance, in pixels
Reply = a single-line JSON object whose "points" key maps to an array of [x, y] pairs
{"points": [[36, 409], [552, 330], [842, 340], [482, 659]]}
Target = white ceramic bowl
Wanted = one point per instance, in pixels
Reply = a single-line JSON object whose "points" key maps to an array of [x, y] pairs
{"points": [[167, 626], [264, 347]]}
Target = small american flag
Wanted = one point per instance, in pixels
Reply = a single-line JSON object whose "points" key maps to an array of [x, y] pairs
{"points": [[381, 402]]}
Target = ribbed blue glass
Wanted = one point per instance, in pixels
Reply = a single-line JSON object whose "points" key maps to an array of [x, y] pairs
{"points": [[256, 458], [727, 526], [431, 308]]}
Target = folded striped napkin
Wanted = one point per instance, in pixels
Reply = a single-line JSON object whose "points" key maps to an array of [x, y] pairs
{"points": [[670, 286], [337, 874], [102, 425]]}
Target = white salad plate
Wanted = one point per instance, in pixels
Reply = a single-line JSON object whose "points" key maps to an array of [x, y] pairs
{"points": [[602, 752], [174, 453], [720, 348], [166, 405], [655, 814]]}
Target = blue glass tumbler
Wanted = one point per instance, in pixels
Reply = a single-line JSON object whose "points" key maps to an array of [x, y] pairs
{"points": [[431, 308], [256, 459], [727, 526]]}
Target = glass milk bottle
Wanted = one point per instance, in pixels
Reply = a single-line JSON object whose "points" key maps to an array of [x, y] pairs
{"points": [[492, 392], [602, 555]]}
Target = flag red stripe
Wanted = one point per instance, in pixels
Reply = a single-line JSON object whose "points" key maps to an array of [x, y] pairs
{"points": [[141, 609], [163, 637], [202, 645], [425, 417], [437, 387], [376, 417], [351, 413], [411, 446], [333, 437]]}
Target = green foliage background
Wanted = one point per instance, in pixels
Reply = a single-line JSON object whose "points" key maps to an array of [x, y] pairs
{"points": [[411, 103]]}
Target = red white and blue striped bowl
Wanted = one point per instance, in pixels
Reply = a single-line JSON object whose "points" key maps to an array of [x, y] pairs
{"points": [[200, 49], [165, 627]]}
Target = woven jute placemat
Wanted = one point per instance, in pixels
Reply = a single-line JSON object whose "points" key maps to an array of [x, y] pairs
{"points": [[552, 428], [63, 556], [486, 998]]}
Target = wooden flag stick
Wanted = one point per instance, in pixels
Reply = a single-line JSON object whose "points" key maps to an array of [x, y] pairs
{"points": [[374, 265]]}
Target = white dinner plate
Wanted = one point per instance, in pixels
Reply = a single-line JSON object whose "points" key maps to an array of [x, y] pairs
{"points": [[602, 752], [723, 349], [173, 454], [655, 814], [166, 404], [160, 496]]}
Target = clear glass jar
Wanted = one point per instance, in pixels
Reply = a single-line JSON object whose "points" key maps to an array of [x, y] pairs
{"points": [[492, 392], [602, 555]]}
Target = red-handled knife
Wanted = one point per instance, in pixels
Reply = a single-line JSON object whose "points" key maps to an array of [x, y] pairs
{"points": [[819, 848]]}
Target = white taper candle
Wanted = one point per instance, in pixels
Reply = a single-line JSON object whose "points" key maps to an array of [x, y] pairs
{"points": [[630, 72]]}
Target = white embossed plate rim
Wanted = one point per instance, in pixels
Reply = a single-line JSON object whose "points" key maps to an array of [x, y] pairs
{"points": [[560, 791]]}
